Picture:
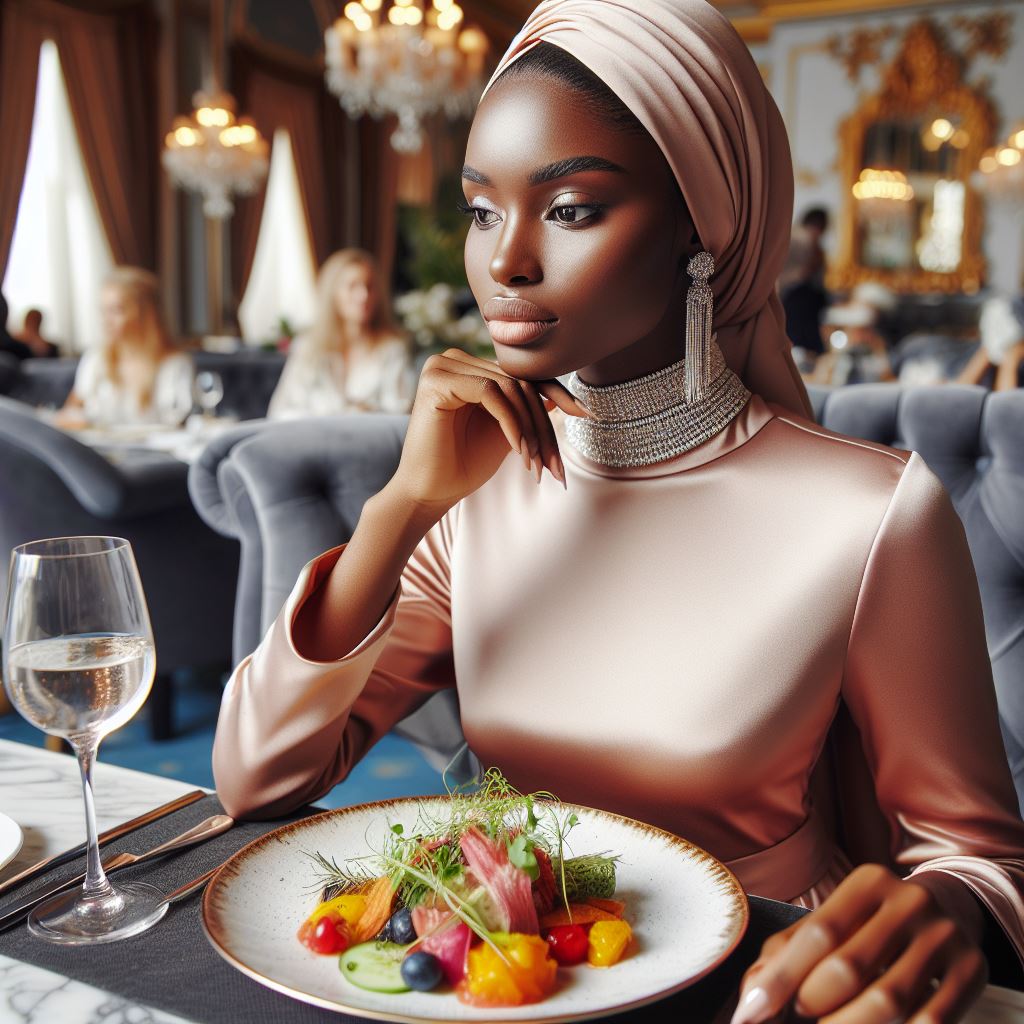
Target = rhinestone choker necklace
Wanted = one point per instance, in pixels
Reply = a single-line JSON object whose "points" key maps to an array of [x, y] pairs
{"points": [[647, 420]]}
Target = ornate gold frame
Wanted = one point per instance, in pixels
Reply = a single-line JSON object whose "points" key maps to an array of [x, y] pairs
{"points": [[925, 75]]}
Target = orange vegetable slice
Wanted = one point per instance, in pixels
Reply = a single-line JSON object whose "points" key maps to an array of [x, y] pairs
{"points": [[380, 897], [578, 913], [616, 907]]}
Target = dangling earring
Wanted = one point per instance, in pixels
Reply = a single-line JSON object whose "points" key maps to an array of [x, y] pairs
{"points": [[699, 302]]}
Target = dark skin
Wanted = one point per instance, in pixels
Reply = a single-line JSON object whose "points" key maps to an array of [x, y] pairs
{"points": [[605, 251]]}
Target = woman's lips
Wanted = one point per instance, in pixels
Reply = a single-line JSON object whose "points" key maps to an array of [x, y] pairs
{"points": [[517, 332], [515, 321]]}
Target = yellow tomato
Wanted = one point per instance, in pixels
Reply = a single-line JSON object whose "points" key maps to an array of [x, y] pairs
{"points": [[348, 906], [607, 942], [527, 976]]}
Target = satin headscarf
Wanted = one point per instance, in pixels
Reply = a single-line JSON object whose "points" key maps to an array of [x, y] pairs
{"points": [[683, 71]]}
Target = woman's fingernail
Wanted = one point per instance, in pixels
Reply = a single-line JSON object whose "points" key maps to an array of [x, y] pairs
{"points": [[754, 1007], [585, 410], [556, 467], [538, 467]]}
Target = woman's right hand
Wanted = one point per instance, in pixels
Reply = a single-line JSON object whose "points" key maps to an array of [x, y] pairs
{"points": [[466, 416]]}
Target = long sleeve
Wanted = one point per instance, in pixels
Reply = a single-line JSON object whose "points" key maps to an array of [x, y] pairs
{"points": [[918, 683], [290, 728]]}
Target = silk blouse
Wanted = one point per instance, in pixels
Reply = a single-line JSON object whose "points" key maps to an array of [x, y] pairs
{"points": [[675, 643]]}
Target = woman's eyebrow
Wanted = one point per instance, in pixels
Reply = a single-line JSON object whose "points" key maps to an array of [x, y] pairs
{"points": [[559, 169]]}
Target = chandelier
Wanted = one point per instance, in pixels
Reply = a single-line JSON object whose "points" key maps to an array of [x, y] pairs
{"points": [[212, 153], [412, 61], [1000, 172]]}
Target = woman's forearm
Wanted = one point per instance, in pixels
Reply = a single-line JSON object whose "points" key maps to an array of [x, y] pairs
{"points": [[356, 593]]}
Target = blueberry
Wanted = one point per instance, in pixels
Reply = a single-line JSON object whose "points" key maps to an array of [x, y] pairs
{"points": [[421, 971], [402, 930]]}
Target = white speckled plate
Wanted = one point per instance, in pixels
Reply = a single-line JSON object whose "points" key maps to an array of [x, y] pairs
{"points": [[11, 838], [687, 910]]}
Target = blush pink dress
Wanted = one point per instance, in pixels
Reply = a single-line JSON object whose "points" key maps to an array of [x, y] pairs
{"points": [[676, 643]]}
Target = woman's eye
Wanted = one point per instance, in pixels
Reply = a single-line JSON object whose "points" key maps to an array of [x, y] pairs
{"points": [[575, 213], [478, 213]]}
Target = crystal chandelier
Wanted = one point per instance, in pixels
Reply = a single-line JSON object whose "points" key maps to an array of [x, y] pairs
{"points": [[212, 153], [411, 61]]}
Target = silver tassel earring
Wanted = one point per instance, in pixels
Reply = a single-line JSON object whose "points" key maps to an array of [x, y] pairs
{"points": [[699, 302]]}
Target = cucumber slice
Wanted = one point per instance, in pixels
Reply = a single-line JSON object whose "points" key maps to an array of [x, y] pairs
{"points": [[375, 966]]}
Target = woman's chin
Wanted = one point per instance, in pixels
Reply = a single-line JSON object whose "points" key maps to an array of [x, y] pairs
{"points": [[534, 364]]}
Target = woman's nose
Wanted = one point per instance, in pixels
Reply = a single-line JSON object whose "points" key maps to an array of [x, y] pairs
{"points": [[515, 256]]}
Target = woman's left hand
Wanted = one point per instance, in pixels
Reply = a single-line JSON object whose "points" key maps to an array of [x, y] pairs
{"points": [[877, 951]]}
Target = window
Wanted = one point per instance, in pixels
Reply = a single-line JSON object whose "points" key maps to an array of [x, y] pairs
{"points": [[59, 253], [282, 283]]}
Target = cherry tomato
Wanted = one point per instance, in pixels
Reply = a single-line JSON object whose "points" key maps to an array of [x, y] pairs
{"points": [[330, 935], [568, 942]]}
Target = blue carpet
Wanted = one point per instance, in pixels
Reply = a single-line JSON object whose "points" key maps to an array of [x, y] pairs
{"points": [[393, 768]]}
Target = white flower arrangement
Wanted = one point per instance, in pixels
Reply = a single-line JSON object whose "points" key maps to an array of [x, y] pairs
{"points": [[429, 316]]}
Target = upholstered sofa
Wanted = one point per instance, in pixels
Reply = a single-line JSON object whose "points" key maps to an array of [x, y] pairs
{"points": [[249, 378], [51, 485], [288, 491]]}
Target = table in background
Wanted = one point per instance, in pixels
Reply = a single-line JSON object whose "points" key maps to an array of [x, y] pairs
{"points": [[41, 791]]}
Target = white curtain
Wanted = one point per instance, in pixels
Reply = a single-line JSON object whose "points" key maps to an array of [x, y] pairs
{"points": [[282, 283], [59, 253]]}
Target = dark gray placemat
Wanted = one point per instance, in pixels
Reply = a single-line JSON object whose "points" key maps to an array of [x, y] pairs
{"points": [[173, 967]]}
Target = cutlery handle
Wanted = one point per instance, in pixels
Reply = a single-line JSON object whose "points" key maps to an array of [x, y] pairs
{"points": [[204, 830], [190, 887]]}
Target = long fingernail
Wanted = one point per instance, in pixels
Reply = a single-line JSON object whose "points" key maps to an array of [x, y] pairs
{"points": [[754, 1007], [583, 408], [557, 469], [524, 454], [538, 467]]}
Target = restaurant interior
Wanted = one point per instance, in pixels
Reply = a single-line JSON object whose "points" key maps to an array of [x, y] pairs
{"points": [[221, 182]]}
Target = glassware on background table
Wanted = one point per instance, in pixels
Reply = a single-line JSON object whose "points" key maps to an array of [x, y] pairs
{"points": [[209, 390], [78, 662]]}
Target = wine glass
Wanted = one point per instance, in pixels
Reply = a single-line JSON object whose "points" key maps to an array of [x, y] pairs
{"points": [[78, 662], [209, 390]]}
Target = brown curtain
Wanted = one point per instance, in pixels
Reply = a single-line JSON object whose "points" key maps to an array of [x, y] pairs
{"points": [[278, 96], [378, 191], [21, 35], [108, 63]]}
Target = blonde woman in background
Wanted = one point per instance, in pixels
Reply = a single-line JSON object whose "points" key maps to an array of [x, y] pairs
{"points": [[353, 358], [138, 374]]}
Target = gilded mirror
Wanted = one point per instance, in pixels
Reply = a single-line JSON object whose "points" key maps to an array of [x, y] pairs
{"points": [[911, 219]]}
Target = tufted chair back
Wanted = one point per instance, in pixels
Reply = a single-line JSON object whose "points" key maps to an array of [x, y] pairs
{"points": [[973, 440]]}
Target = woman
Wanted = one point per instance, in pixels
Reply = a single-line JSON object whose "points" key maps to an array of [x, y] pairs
{"points": [[353, 357], [1000, 355], [137, 375], [640, 640]]}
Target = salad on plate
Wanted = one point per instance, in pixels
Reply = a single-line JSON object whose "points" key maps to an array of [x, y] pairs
{"points": [[481, 896]]}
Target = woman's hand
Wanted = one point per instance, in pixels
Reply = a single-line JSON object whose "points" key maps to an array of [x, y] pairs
{"points": [[466, 416], [877, 951]]}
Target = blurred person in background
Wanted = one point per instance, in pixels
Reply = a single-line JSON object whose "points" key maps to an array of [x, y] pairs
{"points": [[1001, 351], [802, 282], [856, 338], [31, 336], [353, 357], [9, 345], [137, 374]]}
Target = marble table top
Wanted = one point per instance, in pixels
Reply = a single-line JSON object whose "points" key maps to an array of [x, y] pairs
{"points": [[41, 791]]}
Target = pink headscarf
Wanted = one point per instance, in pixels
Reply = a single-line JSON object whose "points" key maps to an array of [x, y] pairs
{"points": [[683, 71]]}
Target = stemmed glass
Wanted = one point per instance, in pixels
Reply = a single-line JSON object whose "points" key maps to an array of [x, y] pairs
{"points": [[209, 390], [78, 662]]}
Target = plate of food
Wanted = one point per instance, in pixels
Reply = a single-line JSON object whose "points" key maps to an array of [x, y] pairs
{"points": [[485, 905]]}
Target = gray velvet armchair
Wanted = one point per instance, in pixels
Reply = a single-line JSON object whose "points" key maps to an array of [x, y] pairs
{"points": [[292, 490], [289, 491], [52, 485]]}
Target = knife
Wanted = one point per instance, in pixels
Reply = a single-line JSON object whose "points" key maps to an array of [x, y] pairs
{"points": [[106, 837], [198, 834]]}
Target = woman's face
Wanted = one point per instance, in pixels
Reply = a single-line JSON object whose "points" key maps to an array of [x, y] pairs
{"points": [[355, 296], [583, 222], [119, 313]]}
